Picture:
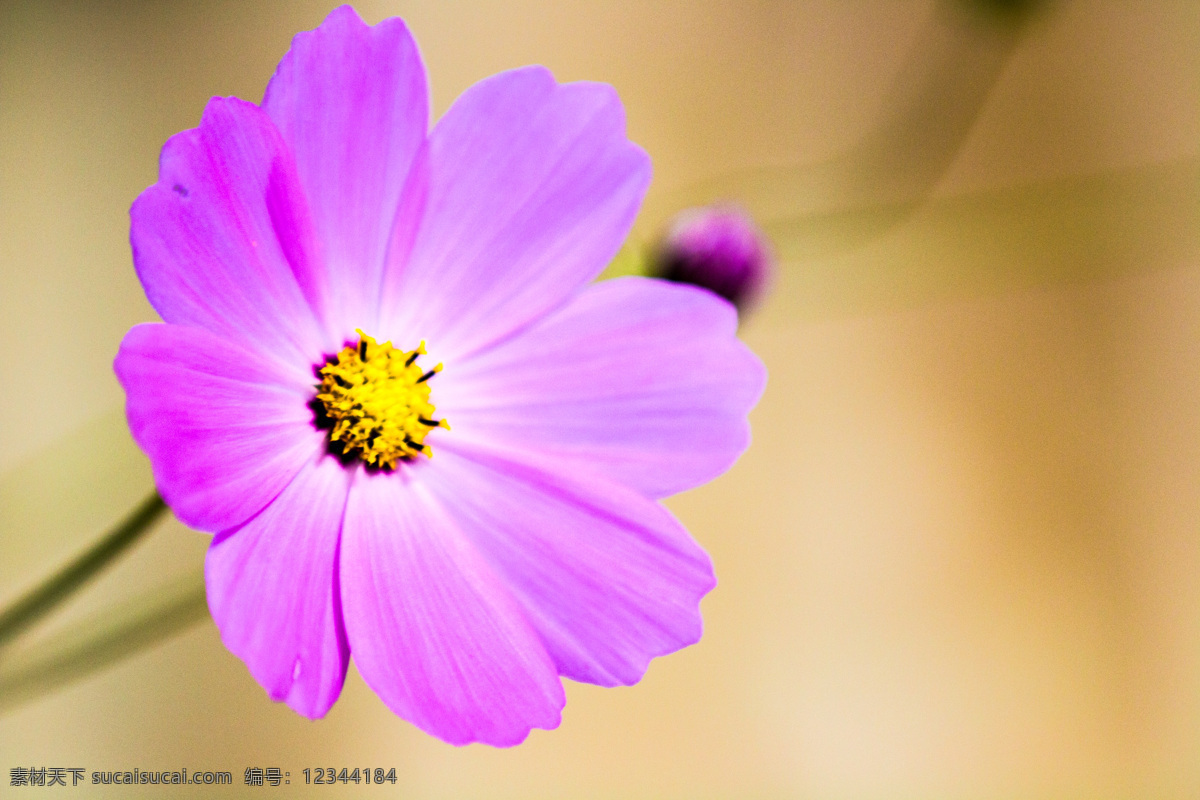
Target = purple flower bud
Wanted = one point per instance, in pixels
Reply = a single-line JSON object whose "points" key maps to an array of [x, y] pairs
{"points": [[719, 248]]}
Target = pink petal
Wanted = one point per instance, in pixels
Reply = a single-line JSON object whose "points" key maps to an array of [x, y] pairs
{"points": [[225, 429], [638, 380], [224, 240], [608, 578], [531, 187], [352, 103], [273, 590], [433, 632]]}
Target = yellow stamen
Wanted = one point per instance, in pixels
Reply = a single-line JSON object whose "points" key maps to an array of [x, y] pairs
{"points": [[376, 402]]}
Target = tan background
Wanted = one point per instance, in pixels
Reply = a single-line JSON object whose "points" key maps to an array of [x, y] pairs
{"points": [[962, 558]]}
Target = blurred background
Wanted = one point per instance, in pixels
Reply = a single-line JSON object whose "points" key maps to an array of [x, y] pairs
{"points": [[961, 559]]}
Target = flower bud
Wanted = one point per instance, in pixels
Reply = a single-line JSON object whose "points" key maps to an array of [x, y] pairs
{"points": [[719, 248]]}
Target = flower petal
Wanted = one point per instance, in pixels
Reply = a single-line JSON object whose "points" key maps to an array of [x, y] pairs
{"points": [[225, 429], [531, 188], [224, 241], [352, 103], [273, 590], [639, 380], [608, 578], [433, 632]]}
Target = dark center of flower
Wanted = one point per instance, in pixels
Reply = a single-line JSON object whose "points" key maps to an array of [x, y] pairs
{"points": [[375, 401]]}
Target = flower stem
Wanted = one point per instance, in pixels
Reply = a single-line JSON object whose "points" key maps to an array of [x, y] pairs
{"points": [[102, 639], [25, 611]]}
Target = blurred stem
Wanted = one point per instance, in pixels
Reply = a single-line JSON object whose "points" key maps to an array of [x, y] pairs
{"points": [[102, 639], [35, 604], [631, 259], [954, 62]]}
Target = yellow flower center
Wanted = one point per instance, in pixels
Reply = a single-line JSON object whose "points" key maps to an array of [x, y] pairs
{"points": [[375, 401]]}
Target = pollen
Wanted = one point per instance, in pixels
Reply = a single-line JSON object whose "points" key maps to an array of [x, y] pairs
{"points": [[374, 399]]}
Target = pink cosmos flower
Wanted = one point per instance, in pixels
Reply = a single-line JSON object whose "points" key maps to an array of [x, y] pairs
{"points": [[300, 252]]}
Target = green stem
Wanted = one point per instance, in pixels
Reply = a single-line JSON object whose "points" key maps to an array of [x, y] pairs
{"points": [[25, 611], [102, 639]]}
